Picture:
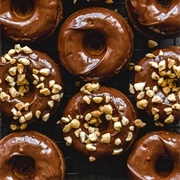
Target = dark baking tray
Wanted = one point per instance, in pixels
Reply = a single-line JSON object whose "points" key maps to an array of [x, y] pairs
{"points": [[78, 166]]}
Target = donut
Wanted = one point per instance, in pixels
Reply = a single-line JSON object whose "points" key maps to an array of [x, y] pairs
{"points": [[30, 155], [155, 156], [95, 43], [156, 85], [157, 19], [30, 86], [100, 122], [31, 20]]}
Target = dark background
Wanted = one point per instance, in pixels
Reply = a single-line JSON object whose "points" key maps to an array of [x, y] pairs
{"points": [[78, 166]]}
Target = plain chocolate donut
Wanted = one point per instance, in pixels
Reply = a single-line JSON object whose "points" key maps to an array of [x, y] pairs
{"points": [[95, 43], [30, 155], [100, 122], [155, 156], [155, 18], [30, 20], [30, 86], [156, 85]]}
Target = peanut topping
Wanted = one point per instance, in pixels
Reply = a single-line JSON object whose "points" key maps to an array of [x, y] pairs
{"points": [[68, 140], [142, 104], [75, 124], [117, 151], [90, 147], [129, 137], [106, 138], [44, 71]]}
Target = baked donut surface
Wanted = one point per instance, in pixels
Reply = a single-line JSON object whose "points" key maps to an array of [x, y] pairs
{"points": [[30, 155], [155, 156], [30, 86], [31, 20], [100, 122], [155, 18], [156, 85], [95, 43]]}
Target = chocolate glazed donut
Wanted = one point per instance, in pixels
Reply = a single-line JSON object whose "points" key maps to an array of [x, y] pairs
{"points": [[30, 86], [100, 122], [156, 85], [95, 43], [155, 18], [155, 156], [30, 21], [30, 155]]}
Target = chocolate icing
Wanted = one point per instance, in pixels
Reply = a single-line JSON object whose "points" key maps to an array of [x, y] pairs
{"points": [[145, 76], [37, 101], [148, 150], [41, 23], [155, 18], [77, 108], [118, 43], [49, 161]]}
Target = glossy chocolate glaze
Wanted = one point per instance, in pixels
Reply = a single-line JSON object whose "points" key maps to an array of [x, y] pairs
{"points": [[49, 161], [41, 24], [154, 19], [141, 162], [118, 43], [37, 101], [145, 76], [78, 107]]}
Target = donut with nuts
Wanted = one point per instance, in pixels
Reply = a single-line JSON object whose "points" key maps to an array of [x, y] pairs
{"points": [[100, 122], [156, 85], [30, 86]]}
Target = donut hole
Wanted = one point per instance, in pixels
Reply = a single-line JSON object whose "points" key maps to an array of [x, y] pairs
{"points": [[164, 165], [23, 9], [165, 3], [95, 43], [23, 167]]}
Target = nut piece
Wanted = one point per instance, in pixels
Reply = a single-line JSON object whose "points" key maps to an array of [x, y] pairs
{"points": [[75, 124], [138, 68], [168, 110], [86, 99], [107, 109], [24, 61], [117, 126], [91, 158], [68, 140], [117, 151], [97, 99], [28, 116], [45, 71], [154, 111], [56, 88], [96, 113], [93, 137], [152, 44], [169, 119], [27, 50], [90, 147], [162, 65], [106, 138], [142, 104], [130, 136], [131, 89], [117, 142], [67, 128], [125, 121], [139, 123], [46, 117], [139, 86], [12, 71], [172, 97], [45, 91], [38, 113], [4, 97], [156, 99]]}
